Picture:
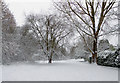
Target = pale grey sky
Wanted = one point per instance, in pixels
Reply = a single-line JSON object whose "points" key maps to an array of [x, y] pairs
{"points": [[20, 8]]}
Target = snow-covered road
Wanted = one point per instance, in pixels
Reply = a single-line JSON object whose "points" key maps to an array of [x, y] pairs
{"points": [[69, 70]]}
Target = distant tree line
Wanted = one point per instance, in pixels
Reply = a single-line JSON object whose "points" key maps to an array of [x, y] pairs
{"points": [[49, 36]]}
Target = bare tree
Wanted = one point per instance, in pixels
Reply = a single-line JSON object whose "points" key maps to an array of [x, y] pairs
{"points": [[50, 30], [89, 18]]}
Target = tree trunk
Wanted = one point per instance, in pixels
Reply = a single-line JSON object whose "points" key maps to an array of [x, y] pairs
{"points": [[50, 60], [50, 57], [51, 54], [94, 55]]}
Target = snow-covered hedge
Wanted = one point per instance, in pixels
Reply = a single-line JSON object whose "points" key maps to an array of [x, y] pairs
{"points": [[109, 58]]}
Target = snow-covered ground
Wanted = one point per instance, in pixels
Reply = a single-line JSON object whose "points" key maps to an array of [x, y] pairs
{"points": [[0, 73], [66, 70]]}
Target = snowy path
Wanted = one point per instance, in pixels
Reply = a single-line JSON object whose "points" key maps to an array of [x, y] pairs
{"points": [[70, 70]]}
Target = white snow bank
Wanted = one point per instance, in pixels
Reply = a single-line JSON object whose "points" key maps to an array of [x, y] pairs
{"points": [[65, 70]]}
